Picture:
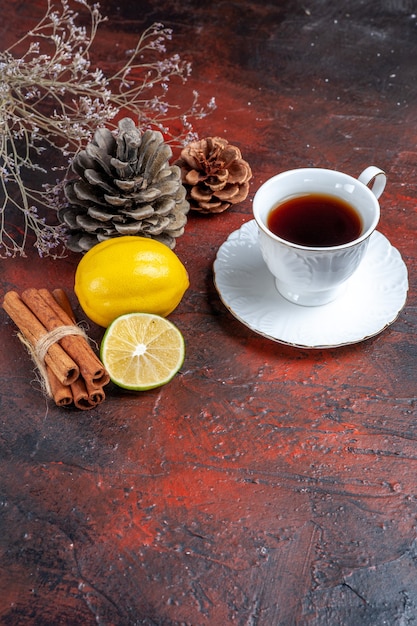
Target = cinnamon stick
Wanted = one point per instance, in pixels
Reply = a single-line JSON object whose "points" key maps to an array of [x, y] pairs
{"points": [[61, 394], [62, 365], [95, 394], [52, 315], [80, 395], [62, 300]]}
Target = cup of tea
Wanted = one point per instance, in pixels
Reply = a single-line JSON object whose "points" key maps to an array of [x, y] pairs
{"points": [[314, 229]]}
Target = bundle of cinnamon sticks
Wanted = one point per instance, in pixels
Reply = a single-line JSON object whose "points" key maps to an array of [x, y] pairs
{"points": [[71, 372]]}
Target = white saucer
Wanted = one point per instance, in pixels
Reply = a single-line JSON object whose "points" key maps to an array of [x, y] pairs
{"points": [[375, 295]]}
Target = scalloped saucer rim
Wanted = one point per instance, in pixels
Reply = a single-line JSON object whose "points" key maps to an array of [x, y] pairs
{"points": [[372, 301]]}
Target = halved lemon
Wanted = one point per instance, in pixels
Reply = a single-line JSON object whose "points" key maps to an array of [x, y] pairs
{"points": [[142, 351]]}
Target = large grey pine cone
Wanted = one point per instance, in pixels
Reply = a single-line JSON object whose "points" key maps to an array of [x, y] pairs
{"points": [[125, 187]]}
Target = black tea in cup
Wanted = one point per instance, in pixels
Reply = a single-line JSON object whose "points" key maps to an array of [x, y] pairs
{"points": [[315, 220]]}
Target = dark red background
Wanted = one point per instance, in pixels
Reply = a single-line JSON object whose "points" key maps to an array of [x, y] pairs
{"points": [[264, 485]]}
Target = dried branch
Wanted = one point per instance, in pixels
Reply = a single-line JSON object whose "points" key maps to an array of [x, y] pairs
{"points": [[53, 99]]}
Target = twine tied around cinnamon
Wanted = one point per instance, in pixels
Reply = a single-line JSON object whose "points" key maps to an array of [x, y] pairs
{"points": [[39, 350]]}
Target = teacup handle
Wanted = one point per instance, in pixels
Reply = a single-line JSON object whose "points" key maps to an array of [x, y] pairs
{"points": [[375, 176]]}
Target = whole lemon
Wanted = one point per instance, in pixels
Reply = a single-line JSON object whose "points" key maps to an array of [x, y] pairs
{"points": [[129, 274]]}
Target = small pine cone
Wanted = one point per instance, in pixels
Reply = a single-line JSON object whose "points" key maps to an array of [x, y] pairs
{"points": [[125, 187], [214, 174]]}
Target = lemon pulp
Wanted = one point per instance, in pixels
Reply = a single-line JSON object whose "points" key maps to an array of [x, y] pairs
{"points": [[142, 351]]}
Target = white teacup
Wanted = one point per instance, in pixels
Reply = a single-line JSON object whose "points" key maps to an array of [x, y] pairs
{"points": [[315, 275]]}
